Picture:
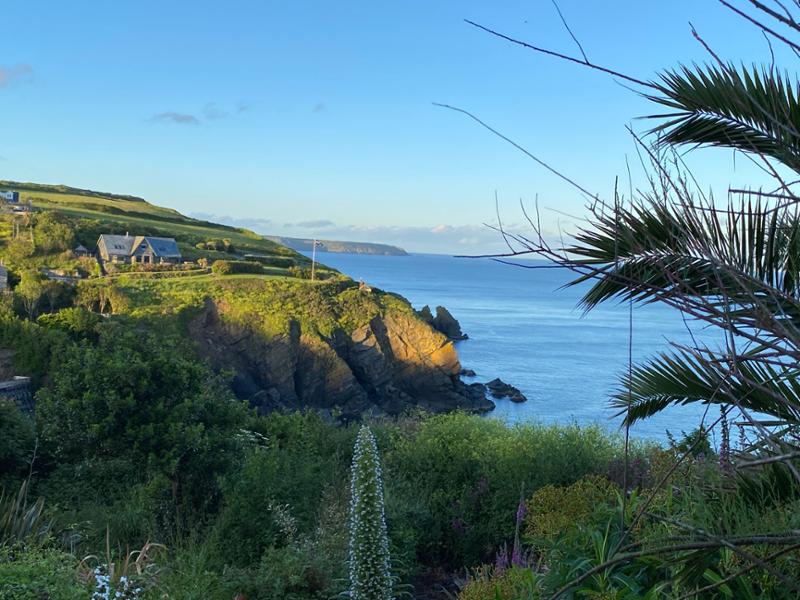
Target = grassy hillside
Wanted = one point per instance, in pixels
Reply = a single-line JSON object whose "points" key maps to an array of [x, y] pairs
{"points": [[87, 214], [96, 212]]}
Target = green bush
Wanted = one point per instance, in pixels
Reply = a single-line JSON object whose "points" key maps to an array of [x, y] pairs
{"points": [[554, 510], [512, 584], [280, 262], [37, 574], [232, 267], [165, 412], [77, 322], [16, 443], [457, 479]]}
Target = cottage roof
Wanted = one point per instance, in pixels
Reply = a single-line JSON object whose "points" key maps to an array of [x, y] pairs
{"points": [[166, 247], [126, 245], [121, 245], [81, 248]]}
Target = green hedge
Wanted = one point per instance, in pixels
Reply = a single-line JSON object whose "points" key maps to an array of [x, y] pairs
{"points": [[280, 262], [231, 267]]}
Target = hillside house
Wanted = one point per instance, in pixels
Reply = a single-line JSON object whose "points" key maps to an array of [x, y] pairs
{"points": [[81, 250], [138, 249], [9, 196]]}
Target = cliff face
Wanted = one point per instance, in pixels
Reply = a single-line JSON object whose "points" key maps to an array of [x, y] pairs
{"points": [[392, 363], [337, 246]]}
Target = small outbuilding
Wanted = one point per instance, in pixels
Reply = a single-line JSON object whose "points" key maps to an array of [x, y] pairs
{"points": [[81, 250]]}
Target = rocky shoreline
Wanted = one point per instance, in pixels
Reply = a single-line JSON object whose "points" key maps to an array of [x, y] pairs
{"points": [[398, 361]]}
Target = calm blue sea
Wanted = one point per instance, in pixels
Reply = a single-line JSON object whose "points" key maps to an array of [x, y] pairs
{"points": [[526, 330]]}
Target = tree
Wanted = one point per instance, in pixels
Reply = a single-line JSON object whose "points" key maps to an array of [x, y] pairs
{"points": [[53, 233], [143, 396], [370, 576], [29, 291]]}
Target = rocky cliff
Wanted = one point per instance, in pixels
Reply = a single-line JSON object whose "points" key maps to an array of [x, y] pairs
{"points": [[394, 362], [337, 246]]}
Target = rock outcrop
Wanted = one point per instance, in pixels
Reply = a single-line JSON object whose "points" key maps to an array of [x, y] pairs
{"points": [[501, 389], [443, 322], [394, 362]]}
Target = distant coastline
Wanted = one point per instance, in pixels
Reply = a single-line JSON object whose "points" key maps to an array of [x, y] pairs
{"points": [[338, 247]]}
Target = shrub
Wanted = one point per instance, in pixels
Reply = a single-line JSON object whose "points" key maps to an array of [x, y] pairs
{"points": [[512, 584], [53, 233], [36, 574], [77, 322], [457, 478], [300, 272], [553, 510], [217, 245], [280, 262], [16, 442], [21, 521], [231, 267], [166, 412]]}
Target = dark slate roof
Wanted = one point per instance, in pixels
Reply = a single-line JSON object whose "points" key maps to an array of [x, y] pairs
{"points": [[125, 245], [121, 245], [166, 247]]}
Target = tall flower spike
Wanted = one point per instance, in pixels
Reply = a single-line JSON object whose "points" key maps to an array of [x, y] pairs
{"points": [[370, 576]]}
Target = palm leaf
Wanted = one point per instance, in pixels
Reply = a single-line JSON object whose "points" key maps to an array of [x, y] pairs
{"points": [[750, 109], [682, 378]]}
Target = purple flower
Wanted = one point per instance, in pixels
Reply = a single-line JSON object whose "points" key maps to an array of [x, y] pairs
{"points": [[520, 512], [516, 556], [501, 561]]}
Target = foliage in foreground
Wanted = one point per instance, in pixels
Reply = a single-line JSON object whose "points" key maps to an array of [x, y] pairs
{"points": [[370, 577]]}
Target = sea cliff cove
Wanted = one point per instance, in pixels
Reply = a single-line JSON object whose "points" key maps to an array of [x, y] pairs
{"points": [[437, 301]]}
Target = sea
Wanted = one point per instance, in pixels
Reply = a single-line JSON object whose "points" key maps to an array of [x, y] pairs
{"points": [[526, 328]]}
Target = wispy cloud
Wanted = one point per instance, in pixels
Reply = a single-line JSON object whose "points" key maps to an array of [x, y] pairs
{"points": [[318, 224], [212, 112], [15, 74], [175, 117], [256, 224], [442, 238]]}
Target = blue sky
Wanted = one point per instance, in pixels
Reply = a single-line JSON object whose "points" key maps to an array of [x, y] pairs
{"points": [[316, 118]]}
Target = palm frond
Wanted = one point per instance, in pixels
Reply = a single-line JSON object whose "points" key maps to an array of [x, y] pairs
{"points": [[682, 378], [750, 109], [743, 260]]}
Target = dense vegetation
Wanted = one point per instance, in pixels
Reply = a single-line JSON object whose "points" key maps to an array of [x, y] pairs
{"points": [[139, 475], [138, 441]]}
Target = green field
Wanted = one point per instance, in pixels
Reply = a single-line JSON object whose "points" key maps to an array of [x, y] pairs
{"points": [[118, 211], [92, 213]]}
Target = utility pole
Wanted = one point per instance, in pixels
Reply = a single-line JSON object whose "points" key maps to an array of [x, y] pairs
{"points": [[313, 258]]}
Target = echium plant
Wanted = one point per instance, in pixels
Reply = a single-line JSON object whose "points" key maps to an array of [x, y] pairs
{"points": [[370, 577]]}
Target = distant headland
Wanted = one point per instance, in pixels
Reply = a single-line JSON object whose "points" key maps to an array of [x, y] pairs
{"points": [[305, 245]]}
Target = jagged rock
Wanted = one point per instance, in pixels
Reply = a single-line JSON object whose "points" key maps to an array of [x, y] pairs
{"points": [[394, 362], [467, 373], [443, 322], [425, 314], [500, 389]]}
